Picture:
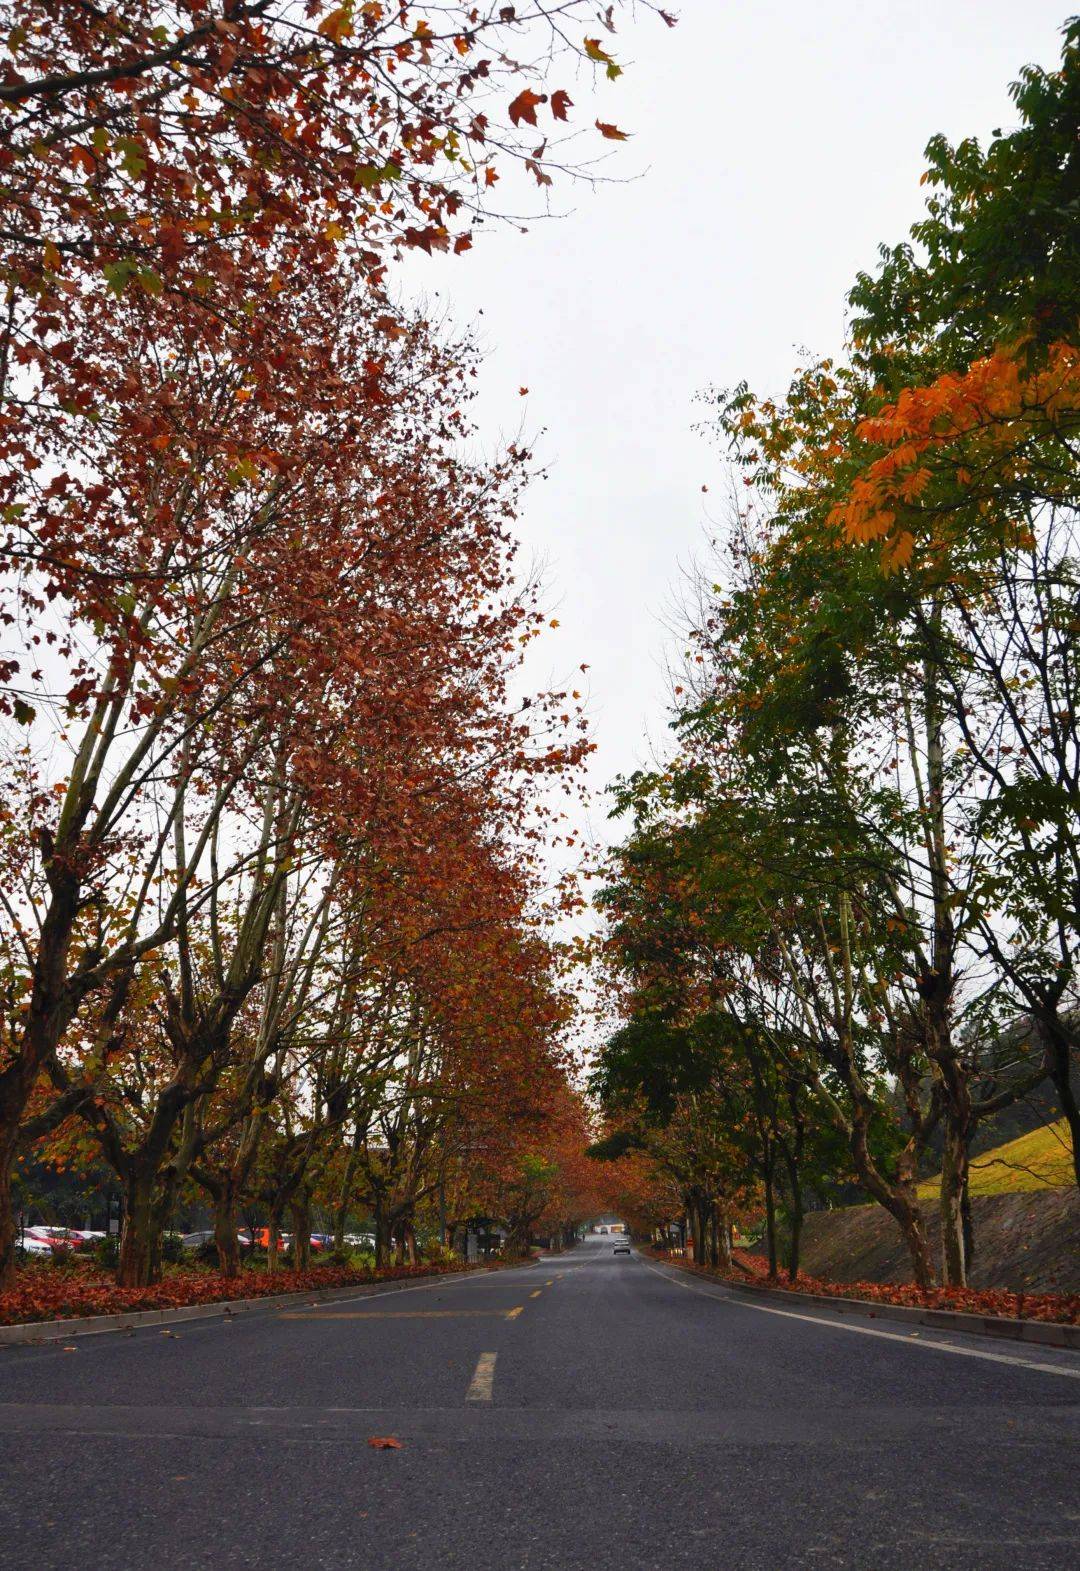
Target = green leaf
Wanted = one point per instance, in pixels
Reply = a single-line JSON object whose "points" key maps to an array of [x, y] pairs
{"points": [[24, 712], [132, 155], [118, 274]]}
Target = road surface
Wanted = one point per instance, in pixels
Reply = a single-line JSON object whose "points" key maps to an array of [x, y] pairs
{"points": [[593, 1411]]}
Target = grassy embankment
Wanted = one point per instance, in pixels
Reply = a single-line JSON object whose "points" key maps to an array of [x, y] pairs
{"points": [[1041, 1159]]}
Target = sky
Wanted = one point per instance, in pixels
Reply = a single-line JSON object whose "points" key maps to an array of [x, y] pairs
{"points": [[775, 144]]}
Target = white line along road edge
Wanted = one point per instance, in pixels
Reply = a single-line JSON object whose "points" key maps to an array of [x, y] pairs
{"points": [[907, 1339]]}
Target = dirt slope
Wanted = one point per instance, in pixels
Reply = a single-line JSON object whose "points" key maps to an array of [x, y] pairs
{"points": [[1022, 1241]]}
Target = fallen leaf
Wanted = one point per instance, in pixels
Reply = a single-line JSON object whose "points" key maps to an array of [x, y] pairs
{"points": [[384, 1443]]}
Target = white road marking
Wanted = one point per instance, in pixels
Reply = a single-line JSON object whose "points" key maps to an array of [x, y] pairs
{"points": [[906, 1337], [482, 1380]]}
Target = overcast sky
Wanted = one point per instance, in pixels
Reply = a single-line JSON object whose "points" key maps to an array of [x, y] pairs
{"points": [[775, 144]]}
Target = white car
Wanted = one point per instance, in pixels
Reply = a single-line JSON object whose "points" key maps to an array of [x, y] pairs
{"points": [[55, 1238], [31, 1244]]}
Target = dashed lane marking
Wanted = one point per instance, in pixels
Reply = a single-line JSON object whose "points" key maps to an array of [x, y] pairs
{"points": [[480, 1386], [512, 1314]]}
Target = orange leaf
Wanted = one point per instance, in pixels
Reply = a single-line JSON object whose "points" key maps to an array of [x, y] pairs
{"points": [[612, 132], [384, 1443], [524, 106], [337, 25], [560, 103]]}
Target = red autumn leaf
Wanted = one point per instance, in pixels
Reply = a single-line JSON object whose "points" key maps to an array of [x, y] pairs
{"points": [[384, 1443], [612, 132], [524, 106], [560, 103]]}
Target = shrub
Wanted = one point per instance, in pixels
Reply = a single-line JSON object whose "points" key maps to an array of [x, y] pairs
{"points": [[107, 1251], [437, 1254], [173, 1252]]}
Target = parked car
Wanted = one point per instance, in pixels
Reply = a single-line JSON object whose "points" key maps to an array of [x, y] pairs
{"points": [[33, 1245], [197, 1240], [58, 1239]]}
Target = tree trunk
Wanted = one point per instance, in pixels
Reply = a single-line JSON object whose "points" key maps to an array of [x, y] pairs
{"points": [[899, 1199], [796, 1214], [341, 1218], [793, 1155], [383, 1237], [1060, 1056], [700, 1221], [954, 1168], [140, 1235], [273, 1236], [770, 1218], [301, 1220], [967, 1221], [9, 1228], [225, 1239]]}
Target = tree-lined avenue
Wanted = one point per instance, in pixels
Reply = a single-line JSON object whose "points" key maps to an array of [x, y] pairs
{"points": [[629, 1412]]}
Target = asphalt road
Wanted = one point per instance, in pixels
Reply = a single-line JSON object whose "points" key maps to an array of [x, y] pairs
{"points": [[594, 1411]]}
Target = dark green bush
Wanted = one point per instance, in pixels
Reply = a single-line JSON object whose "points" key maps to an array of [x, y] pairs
{"points": [[107, 1250]]}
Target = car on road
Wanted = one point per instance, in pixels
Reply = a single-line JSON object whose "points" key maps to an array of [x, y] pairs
{"points": [[622, 1246]]}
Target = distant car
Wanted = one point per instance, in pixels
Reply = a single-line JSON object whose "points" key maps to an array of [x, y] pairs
{"points": [[622, 1247], [261, 1238], [60, 1240], [30, 1245]]}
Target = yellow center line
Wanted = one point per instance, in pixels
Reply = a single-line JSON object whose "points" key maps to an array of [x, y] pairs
{"points": [[539, 1290], [387, 1314], [550, 1282], [512, 1314]]}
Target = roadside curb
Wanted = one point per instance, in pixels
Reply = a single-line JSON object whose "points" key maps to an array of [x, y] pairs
{"points": [[38, 1332], [1046, 1333]]}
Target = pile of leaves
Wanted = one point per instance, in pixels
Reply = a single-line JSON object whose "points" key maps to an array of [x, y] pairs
{"points": [[49, 1294], [1063, 1308]]}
